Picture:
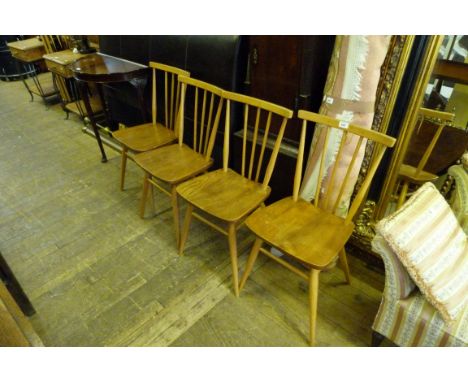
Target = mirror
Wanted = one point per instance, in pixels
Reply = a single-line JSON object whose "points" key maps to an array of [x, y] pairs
{"points": [[447, 89], [440, 98], [439, 84]]}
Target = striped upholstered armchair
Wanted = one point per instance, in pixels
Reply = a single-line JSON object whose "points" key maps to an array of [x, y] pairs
{"points": [[407, 316]]}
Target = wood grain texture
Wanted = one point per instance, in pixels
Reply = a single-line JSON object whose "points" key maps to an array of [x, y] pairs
{"points": [[301, 230], [173, 163], [145, 137], [225, 195]]}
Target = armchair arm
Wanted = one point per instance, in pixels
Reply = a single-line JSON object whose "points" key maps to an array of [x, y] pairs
{"points": [[398, 283], [459, 197]]}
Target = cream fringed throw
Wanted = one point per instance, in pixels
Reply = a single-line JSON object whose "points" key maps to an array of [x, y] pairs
{"points": [[350, 90]]}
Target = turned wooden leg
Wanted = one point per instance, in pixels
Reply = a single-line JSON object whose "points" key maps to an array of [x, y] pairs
{"points": [[233, 253], [144, 194], [185, 228], [251, 261], [175, 212], [313, 297], [344, 265], [377, 338], [123, 167]]}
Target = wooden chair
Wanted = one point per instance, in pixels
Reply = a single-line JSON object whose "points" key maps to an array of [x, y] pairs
{"points": [[176, 163], [56, 43], [149, 136], [64, 82], [416, 175], [227, 195], [312, 234]]}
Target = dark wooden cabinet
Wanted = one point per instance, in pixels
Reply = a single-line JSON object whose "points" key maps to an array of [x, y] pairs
{"points": [[290, 71]]}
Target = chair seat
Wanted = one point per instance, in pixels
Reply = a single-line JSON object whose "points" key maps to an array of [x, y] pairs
{"points": [[301, 230], [225, 195], [409, 173], [145, 137], [173, 164]]}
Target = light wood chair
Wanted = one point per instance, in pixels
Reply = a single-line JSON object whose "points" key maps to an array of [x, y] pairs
{"points": [[56, 43], [416, 175], [311, 233], [227, 195], [176, 163], [149, 136]]}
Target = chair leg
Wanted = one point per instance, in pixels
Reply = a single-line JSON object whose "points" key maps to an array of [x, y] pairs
{"points": [[175, 212], [313, 297], [251, 261], [233, 253], [151, 194], [402, 198], [377, 339], [344, 265], [144, 194], [123, 167], [185, 228]]}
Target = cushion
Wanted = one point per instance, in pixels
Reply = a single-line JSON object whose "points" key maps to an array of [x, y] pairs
{"points": [[428, 240]]}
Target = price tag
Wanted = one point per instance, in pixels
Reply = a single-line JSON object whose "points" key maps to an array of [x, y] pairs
{"points": [[343, 124]]}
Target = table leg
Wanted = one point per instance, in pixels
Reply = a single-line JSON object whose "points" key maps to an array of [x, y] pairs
{"points": [[21, 72], [14, 288], [105, 109], [85, 97]]}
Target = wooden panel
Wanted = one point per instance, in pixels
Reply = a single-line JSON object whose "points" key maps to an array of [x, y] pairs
{"points": [[57, 62], [290, 71], [29, 50], [15, 329]]}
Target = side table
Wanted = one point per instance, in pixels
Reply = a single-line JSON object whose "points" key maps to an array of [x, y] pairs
{"points": [[28, 53], [99, 68]]}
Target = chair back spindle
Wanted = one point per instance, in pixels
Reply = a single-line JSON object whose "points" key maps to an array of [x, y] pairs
{"points": [[441, 119], [205, 122], [171, 93], [258, 136], [332, 182]]}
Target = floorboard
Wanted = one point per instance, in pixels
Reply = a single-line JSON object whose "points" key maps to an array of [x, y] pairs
{"points": [[98, 275]]}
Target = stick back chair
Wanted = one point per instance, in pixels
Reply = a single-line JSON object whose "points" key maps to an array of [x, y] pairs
{"points": [[154, 134], [416, 175], [69, 94], [311, 233], [176, 163], [227, 195]]}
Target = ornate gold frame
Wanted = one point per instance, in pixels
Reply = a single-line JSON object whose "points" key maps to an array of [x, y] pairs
{"points": [[391, 77], [390, 80]]}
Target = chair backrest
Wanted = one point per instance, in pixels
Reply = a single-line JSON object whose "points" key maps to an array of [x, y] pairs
{"points": [[350, 135], [205, 120], [439, 118], [259, 136], [171, 92], [56, 43]]}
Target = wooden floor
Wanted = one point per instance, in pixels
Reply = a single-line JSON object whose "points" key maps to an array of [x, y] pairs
{"points": [[98, 275]]}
